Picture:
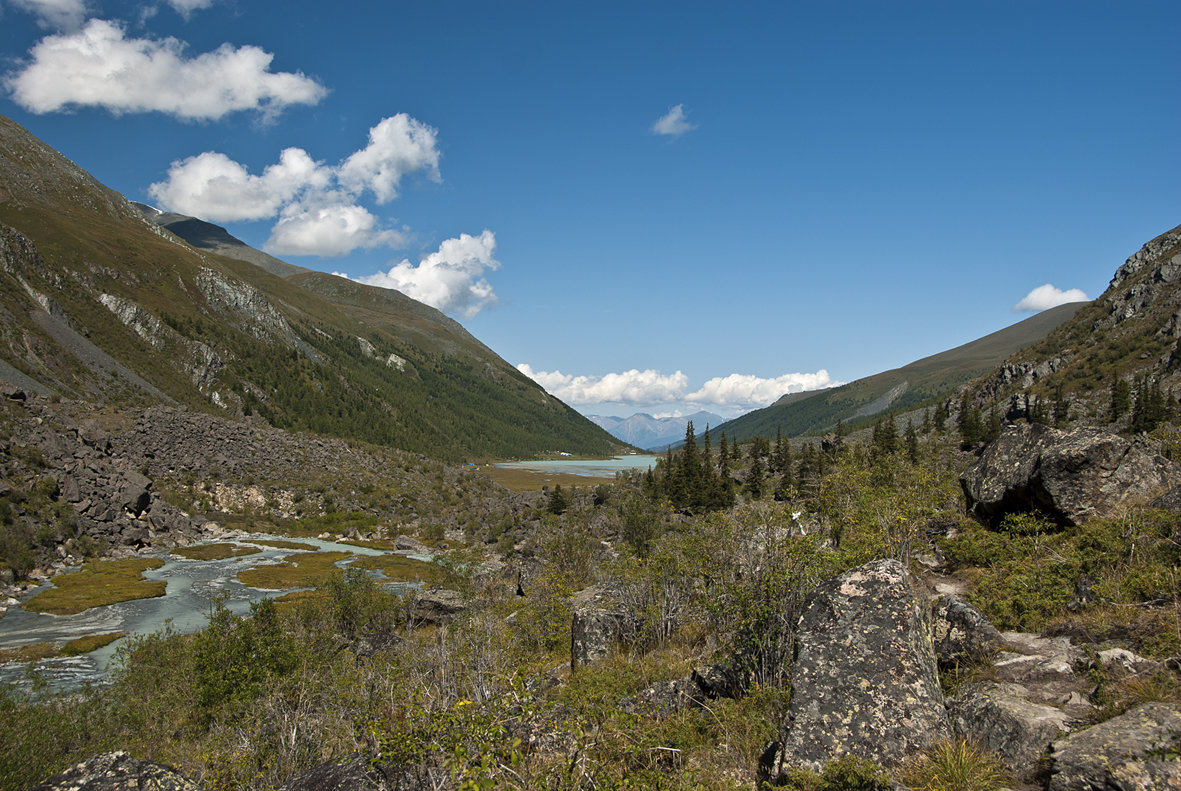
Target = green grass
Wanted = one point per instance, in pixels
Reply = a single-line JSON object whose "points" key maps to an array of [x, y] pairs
{"points": [[214, 551], [399, 568], [84, 645], [98, 584], [304, 571]]}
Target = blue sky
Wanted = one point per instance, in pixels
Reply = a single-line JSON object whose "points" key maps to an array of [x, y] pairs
{"points": [[656, 206]]}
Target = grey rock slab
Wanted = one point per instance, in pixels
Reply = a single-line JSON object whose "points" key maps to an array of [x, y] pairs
{"points": [[1002, 719], [1136, 751]]}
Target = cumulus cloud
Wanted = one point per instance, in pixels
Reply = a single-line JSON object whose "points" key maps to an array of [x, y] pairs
{"points": [[1046, 297], [317, 205], [674, 123], [56, 14], [328, 231], [450, 279], [629, 387], [216, 188], [397, 146], [743, 391], [99, 66], [733, 393]]}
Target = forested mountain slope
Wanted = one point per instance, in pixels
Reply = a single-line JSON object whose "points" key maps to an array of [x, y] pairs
{"points": [[98, 303]]}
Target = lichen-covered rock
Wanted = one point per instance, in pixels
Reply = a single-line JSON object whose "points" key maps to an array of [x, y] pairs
{"points": [[1136, 751], [353, 775], [962, 633], [1069, 476], [117, 771], [596, 625], [1002, 719], [864, 680]]}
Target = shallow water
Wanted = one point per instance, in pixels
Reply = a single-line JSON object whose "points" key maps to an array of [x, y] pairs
{"points": [[592, 468], [192, 587]]}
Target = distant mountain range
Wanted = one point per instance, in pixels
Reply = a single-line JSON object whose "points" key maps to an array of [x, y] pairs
{"points": [[110, 302], [654, 433]]}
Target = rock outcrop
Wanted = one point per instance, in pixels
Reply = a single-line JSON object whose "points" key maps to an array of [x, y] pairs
{"points": [[864, 681], [436, 605], [962, 633], [1069, 476], [117, 771], [1136, 751]]}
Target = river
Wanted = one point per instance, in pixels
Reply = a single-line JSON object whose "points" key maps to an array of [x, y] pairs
{"points": [[192, 586], [591, 468]]}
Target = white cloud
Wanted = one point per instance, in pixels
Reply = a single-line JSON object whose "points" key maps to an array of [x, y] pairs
{"points": [[99, 66], [397, 146], [674, 123], [745, 392], [318, 205], [186, 7], [629, 387], [450, 279], [1046, 297], [216, 188], [327, 231], [56, 14], [733, 393]]}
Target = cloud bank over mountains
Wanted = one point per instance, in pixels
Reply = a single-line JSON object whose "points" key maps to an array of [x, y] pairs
{"points": [[733, 394]]}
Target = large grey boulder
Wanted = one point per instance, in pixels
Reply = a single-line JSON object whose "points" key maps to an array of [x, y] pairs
{"points": [[864, 680], [1136, 751], [1069, 476], [1002, 719], [597, 624], [117, 771]]}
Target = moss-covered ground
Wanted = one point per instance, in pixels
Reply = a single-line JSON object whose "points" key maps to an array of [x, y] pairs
{"points": [[214, 551], [299, 571], [96, 584]]}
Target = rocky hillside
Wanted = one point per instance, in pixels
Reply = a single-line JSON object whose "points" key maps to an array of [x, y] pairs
{"points": [[101, 303], [1132, 330]]}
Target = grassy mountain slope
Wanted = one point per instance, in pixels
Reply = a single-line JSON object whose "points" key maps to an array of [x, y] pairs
{"points": [[100, 304], [921, 381]]}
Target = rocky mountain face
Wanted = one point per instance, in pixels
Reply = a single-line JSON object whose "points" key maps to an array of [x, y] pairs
{"points": [[105, 301], [654, 433], [1132, 330]]}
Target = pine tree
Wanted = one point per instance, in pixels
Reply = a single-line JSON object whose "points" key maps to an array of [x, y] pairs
{"points": [[1121, 398], [754, 478], [911, 443]]}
